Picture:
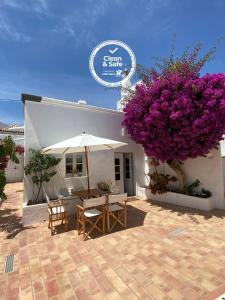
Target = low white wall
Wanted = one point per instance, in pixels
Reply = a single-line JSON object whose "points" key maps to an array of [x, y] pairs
{"points": [[39, 212], [205, 204], [209, 171]]}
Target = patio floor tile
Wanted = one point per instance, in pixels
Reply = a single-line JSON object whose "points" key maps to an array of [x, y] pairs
{"points": [[167, 252]]}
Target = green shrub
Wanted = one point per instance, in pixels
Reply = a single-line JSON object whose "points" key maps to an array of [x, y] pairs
{"points": [[41, 169]]}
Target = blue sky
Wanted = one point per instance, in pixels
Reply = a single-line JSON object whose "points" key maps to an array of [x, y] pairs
{"points": [[45, 44]]}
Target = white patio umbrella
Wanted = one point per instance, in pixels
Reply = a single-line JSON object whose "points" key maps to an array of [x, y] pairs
{"points": [[83, 143]]}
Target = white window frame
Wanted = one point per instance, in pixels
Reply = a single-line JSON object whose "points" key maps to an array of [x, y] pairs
{"points": [[74, 165], [117, 165]]}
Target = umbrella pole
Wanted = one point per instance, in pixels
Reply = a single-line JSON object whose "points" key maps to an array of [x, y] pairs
{"points": [[86, 157]]}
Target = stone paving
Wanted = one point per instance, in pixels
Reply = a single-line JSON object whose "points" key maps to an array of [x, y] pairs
{"points": [[167, 252]]}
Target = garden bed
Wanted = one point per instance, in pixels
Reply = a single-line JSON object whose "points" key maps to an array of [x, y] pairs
{"points": [[177, 199]]}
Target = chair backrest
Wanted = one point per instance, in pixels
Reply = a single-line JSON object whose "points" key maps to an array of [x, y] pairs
{"points": [[64, 192], [56, 209], [93, 202], [115, 189], [117, 198]]}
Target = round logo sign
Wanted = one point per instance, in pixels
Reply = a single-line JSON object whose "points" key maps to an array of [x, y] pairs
{"points": [[110, 61]]}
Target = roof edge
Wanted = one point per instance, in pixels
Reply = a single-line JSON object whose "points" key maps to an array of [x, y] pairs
{"points": [[53, 101], [29, 97]]}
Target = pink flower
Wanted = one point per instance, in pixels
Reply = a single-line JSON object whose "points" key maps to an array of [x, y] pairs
{"points": [[20, 149], [178, 116]]}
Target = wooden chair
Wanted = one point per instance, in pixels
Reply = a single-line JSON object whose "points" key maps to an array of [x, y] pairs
{"points": [[116, 211], [65, 194], [115, 190], [53, 200], [56, 212], [92, 215]]}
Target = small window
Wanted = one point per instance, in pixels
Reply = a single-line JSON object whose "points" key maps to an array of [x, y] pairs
{"points": [[117, 176], [79, 159], [127, 168], [69, 165], [117, 161], [117, 169], [75, 165]]}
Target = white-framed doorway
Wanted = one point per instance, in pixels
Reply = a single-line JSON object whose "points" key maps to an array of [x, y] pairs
{"points": [[123, 168]]}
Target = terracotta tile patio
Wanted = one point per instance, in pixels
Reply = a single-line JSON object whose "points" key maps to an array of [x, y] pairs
{"points": [[167, 252]]}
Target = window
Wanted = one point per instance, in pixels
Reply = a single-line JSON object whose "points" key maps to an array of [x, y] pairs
{"points": [[75, 165], [117, 169], [127, 168]]}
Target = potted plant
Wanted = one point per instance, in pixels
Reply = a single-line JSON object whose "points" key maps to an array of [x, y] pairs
{"points": [[104, 186]]}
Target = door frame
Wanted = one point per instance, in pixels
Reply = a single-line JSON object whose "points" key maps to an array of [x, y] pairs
{"points": [[121, 155], [131, 156]]}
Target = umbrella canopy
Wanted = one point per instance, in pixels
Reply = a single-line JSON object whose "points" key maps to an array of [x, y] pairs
{"points": [[77, 144], [83, 143]]}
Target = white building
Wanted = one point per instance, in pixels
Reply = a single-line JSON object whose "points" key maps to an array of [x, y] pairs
{"points": [[14, 172], [49, 121]]}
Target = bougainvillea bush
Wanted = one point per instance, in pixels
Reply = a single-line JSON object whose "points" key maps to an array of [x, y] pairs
{"points": [[176, 114], [8, 151], [178, 119]]}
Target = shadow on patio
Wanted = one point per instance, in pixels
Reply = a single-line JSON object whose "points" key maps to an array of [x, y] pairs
{"points": [[135, 218], [11, 222], [193, 214]]}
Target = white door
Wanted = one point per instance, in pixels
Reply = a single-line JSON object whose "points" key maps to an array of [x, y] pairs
{"points": [[118, 165], [128, 174]]}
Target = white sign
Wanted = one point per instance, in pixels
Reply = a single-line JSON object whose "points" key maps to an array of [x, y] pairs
{"points": [[108, 62]]}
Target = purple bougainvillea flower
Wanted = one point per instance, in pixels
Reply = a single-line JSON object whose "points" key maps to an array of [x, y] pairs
{"points": [[177, 116]]}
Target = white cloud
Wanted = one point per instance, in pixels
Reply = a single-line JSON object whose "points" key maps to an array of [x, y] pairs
{"points": [[9, 32], [38, 6], [152, 5], [80, 24]]}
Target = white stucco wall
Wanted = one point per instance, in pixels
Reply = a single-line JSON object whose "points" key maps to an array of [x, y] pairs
{"points": [[209, 171], [223, 164], [52, 121]]}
